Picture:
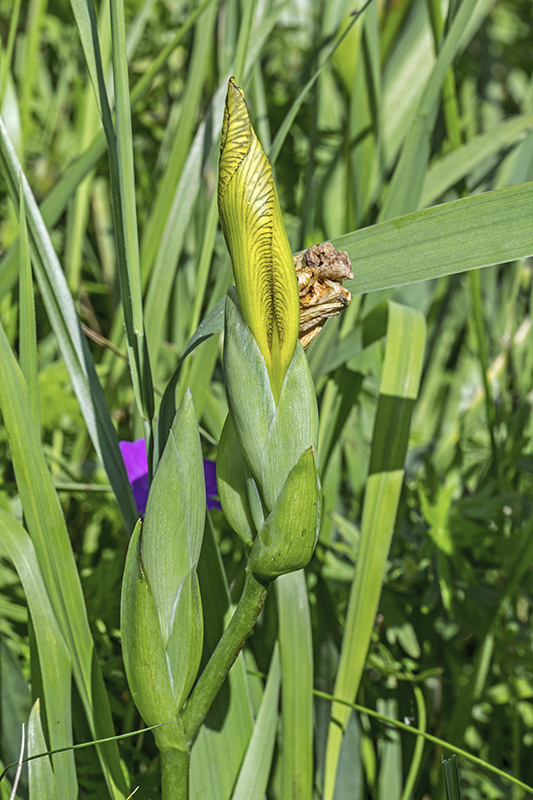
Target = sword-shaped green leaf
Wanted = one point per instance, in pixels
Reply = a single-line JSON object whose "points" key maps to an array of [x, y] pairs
{"points": [[399, 388], [40, 774], [255, 771], [46, 526], [55, 663], [296, 647]]}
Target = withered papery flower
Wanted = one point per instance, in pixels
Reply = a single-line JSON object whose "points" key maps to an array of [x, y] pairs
{"points": [[320, 271]]}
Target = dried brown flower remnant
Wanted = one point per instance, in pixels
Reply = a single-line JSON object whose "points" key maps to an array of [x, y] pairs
{"points": [[320, 270]]}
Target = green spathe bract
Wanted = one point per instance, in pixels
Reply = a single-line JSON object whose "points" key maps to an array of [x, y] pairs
{"points": [[250, 398], [233, 478], [272, 437], [294, 427], [175, 513], [184, 646], [145, 657], [162, 619], [267, 458]]}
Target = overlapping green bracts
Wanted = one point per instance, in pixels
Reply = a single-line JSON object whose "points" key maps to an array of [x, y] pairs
{"points": [[267, 466], [162, 620], [253, 227]]}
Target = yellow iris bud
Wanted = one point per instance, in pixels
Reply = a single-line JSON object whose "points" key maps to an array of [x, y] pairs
{"points": [[252, 223]]}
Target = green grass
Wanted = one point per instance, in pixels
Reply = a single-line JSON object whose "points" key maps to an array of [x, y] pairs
{"points": [[406, 139]]}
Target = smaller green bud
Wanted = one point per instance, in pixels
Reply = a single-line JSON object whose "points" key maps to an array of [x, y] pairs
{"points": [[286, 541]]}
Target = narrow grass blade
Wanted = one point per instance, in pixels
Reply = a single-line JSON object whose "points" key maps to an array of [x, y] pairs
{"points": [[78, 211], [27, 328], [54, 660], [41, 776], [365, 98], [56, 201], [74, 349], [416, 759], [137, 27], [434, 740], [121, 173], [398, 390], [404, 191], [478, 327], [15, 699], [181, 145], [243, 41], [461, 715], [7, 55], [296, 649], [121, 168], [407, 69], [34, 24], [290, 116], [177, 222], [87, 30], [255, 771], [200, 374], [478, 231], [450, 105], [204, 263], [390, 767], [125, 184], [450, 772], [517, 167], [455, 166]]}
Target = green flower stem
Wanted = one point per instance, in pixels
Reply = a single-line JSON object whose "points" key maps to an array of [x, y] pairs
{"points": [[233, 639], [175, 774]]}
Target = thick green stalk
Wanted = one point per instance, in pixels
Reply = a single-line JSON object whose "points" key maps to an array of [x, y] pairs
{"points": [[248, 608], [175, 774]]}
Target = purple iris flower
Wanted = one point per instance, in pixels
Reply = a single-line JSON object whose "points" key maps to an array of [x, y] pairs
{"points": [[136, 462]]}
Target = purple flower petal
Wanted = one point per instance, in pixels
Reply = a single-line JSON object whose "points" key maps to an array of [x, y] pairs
{"points": [[136, 463], [135, 460], [210, 472]]}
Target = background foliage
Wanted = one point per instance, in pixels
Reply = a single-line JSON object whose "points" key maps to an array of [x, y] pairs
{"points": [[371, 139]]}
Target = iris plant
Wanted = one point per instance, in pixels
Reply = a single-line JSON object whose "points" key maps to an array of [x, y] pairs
{"points": [[267, 471]]}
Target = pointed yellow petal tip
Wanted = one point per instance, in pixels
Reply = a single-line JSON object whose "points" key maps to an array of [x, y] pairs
{"points": [[237, 135], [253, 227]]}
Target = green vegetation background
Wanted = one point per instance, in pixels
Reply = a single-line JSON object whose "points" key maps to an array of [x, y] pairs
{"points": [[455, 611]]}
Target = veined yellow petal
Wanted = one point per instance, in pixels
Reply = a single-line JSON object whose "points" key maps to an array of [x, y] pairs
{"points": [[252, 223]]}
